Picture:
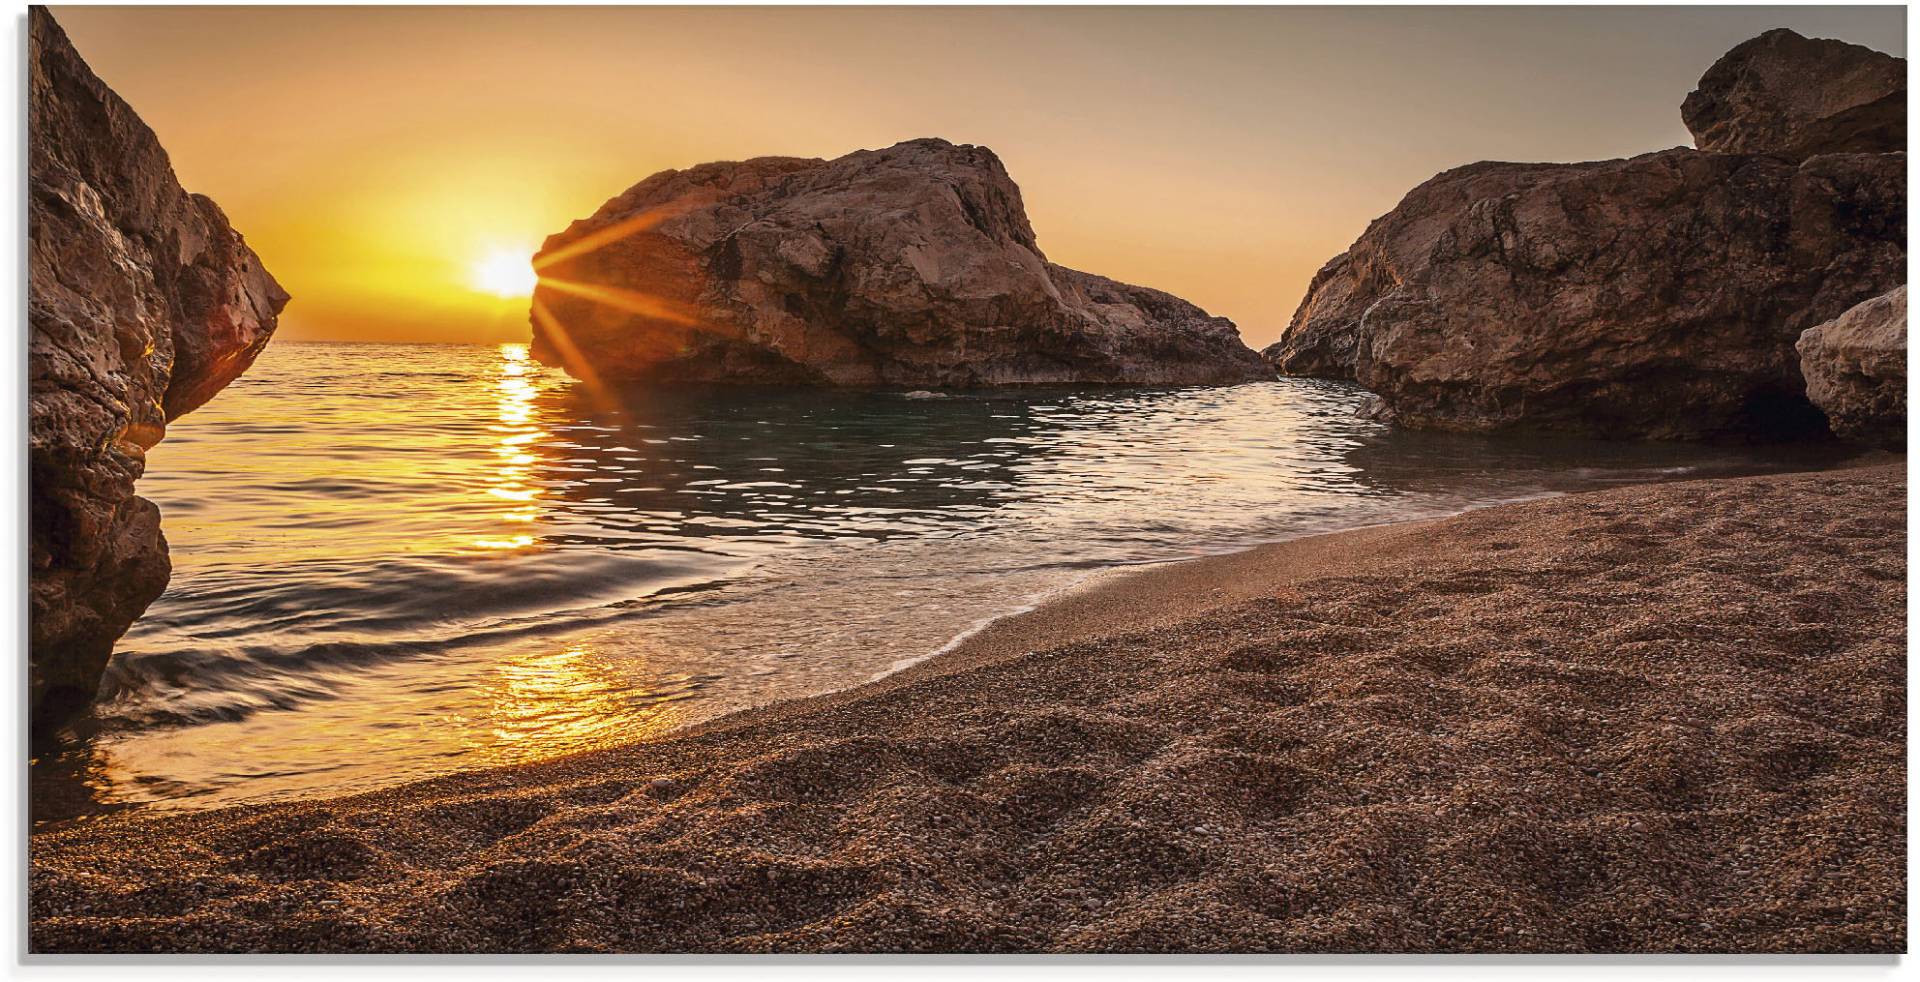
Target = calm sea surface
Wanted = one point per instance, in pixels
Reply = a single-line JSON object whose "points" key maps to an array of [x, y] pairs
{"points": [[394, 561]]}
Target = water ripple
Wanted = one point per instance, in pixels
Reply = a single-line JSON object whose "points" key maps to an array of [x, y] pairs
{"points": [[392, 561]]}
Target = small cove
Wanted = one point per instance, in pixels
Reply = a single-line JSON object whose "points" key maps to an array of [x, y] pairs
{"points": [[397, 561]]}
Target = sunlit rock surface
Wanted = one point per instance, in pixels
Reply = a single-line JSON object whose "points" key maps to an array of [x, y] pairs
{"points": [[1653, 297], [1856, 370], [143, 304], [913, 265], [1796, 97]]}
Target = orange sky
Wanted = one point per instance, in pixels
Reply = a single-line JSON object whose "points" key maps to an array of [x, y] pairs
{"points": [[375, 156]]}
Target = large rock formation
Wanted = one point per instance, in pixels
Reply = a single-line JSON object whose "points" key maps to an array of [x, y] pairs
{"points": [[1856, 370], [913, 265], [143, 303], [1654, 297], [1600, 298], [1795, 97]]}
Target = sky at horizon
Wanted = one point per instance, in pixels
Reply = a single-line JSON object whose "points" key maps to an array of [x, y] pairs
{"points": [[375, 157]]}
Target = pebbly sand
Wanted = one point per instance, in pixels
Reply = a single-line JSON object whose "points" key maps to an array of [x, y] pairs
{"points": [[1665, 718]]}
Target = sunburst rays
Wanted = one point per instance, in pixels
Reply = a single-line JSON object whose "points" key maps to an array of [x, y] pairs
{"points": [[571, 359], [631, 301], [601, 238]]}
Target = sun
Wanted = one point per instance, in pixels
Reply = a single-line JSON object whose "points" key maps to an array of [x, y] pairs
{"points": [[504, 273]]}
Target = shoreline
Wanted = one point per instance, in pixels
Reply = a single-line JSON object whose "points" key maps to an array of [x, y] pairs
{"points": [[1107, 601], [1111, 601], [1693, 686], [817, 617], [1086, 600], [61, 801], [1117, 600]]}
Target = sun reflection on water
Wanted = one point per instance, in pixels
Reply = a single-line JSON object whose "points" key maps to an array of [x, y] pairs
{"points": [[495, 706], [570, 699], [516, 430]]}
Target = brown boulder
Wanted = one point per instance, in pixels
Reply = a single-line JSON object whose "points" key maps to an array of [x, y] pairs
{"points": [[1320, 340], [1856, 371], [1797, 97], [143, 303], [913, 265], [1653, 297]]}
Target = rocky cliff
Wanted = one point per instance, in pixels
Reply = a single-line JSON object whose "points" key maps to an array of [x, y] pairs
{"points": [[1653, 297], [1856, 370], [144, 302], [913, 265]]}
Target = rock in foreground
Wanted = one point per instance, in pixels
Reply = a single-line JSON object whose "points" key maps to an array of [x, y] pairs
{"points": [[1796, 97], [1856, 370], [913, 265], [144, 303]]}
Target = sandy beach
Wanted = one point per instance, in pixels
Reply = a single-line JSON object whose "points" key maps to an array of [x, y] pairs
{"points": [[1659, 718]]}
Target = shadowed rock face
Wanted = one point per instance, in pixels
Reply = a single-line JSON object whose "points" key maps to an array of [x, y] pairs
{"points": [[1796, 97], [1856, 370], [913, 265], [143, 304], [1653, 297]]}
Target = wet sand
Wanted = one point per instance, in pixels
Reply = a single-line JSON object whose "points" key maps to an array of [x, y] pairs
{"points": [[1663, 718]]}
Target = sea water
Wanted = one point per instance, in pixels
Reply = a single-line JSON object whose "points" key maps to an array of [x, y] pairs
{"points": [[395, 561]]}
